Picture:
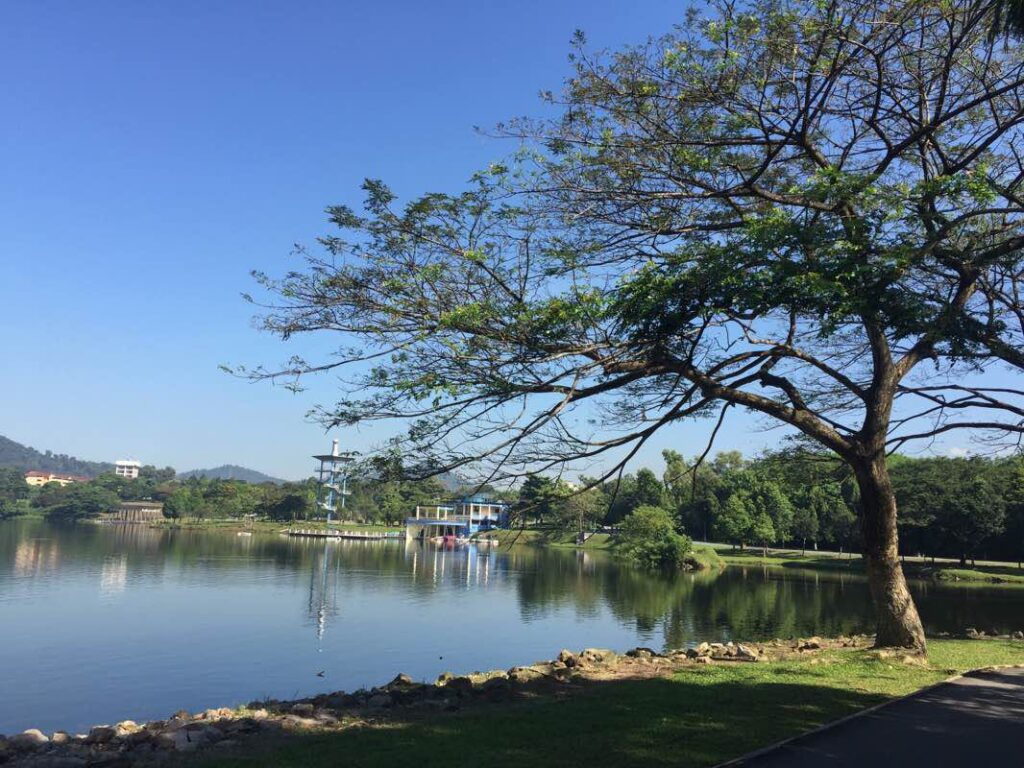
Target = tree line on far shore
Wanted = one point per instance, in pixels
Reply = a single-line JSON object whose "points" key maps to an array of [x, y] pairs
{"points": [[373, 500], [950, 507], [965, 508]]}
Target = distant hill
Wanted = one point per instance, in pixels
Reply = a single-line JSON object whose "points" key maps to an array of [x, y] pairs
{"points": [[17, 456], [230, 472], [452, 481]]}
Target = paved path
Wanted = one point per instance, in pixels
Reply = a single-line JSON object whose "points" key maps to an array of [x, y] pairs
{"points": [[976, 721]]}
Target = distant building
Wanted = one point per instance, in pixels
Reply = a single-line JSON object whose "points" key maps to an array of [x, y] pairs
{"points": [[43, 478], [127, 468], [460, 518], [137, 512]]}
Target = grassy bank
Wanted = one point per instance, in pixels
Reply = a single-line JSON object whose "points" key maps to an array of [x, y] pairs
{"points": [[544, 537], [696, 715], [991, 575]]}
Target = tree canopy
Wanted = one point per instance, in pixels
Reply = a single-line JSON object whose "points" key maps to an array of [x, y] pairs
{"points": [[810, 210]]}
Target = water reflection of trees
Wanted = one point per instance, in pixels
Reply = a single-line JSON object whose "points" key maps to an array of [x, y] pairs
{"points": [[741, 602]]}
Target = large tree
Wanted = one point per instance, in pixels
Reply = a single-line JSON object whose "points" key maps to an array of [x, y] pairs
{"points": [[808, 210]]}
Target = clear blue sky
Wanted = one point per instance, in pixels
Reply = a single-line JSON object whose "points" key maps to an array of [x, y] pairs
{"points": [[154, 153]]}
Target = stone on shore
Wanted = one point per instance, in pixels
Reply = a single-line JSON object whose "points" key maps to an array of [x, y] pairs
{"points": [[597, 656], [30, 739], [642, 653], [745, 653], [568, 658]]}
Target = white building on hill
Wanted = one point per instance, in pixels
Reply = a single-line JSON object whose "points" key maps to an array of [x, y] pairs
{"points": [[127, 468]]}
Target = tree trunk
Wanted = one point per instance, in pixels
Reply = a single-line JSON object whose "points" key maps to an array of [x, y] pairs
{"points": [[898, 623]]}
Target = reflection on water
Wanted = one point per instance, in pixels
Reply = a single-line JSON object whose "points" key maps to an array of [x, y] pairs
{"points": [[101, 623]]}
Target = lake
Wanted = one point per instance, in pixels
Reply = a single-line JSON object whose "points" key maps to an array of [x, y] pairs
{"points": [[100, 623]]}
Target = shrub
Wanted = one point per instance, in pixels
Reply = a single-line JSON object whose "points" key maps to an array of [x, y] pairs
{"points": [[648, 538]]}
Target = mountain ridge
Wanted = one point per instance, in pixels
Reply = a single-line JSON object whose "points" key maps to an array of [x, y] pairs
{"points": [[15, 455], [231, 472]]}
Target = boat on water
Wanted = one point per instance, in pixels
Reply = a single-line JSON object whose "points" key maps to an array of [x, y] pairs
{"points": [[449, 541]]}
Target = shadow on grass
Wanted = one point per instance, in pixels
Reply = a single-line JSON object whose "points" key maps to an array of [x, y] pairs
{"points": [[697, 718]]}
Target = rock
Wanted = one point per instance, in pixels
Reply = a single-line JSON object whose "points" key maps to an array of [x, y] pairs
{"points": [[188, 738], [568, 658], [33, 738], [303, 708], [993, 632], [126, 728], [597, 656], [973, 634], [226, 744], [259, 714], [217, 714], [703, 660], [380, 700], [745, 653], [1018, 635], [242, 725], [495, 684], [444, 678], [814, 644], [692, 653], [59, 737], [461, 686], [177, 741], [642, 653], [101, 734], [524, 674], [401, 681], [298, 721]]}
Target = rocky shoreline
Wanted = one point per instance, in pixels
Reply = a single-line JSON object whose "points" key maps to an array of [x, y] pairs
{"points": [[128, 743]]}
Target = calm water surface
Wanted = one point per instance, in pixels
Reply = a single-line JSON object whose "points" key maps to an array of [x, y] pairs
{"points": [[104, 623]]}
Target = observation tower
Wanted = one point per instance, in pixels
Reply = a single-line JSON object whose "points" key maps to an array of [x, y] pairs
{"points": [[332, 480]]}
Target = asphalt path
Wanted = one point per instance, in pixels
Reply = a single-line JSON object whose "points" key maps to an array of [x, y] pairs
{"points": [[974, 721]]}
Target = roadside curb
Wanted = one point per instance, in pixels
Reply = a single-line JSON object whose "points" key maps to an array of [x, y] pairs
{"points": [[738, 762]]}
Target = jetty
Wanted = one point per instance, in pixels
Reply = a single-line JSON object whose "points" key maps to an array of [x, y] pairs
{"points": [[322, 533]]}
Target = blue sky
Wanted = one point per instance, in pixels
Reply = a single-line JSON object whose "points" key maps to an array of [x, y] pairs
{"points": [[154, 153]]}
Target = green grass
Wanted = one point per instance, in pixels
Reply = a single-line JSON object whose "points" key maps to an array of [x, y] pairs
{"points": [[992, 575], [708, 558], [699, 717], [548, 537], [987, 574]]}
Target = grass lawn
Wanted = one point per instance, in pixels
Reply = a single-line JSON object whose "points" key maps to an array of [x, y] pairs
{"points": [[548, 537], [998, 575], [700, 716]]}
